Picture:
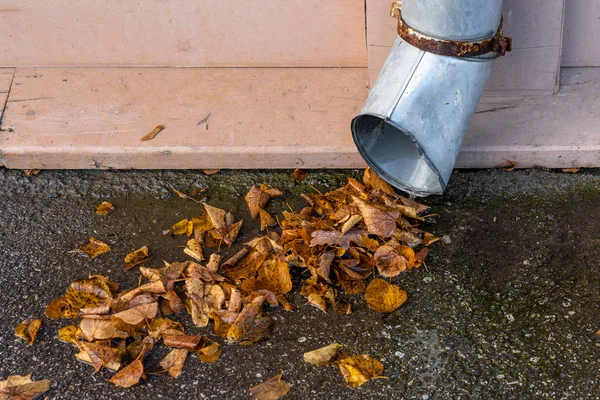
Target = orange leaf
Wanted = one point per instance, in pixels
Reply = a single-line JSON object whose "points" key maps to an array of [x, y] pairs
{"points": [[128, 376]]}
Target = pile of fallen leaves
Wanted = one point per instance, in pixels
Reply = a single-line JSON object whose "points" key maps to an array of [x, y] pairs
{"points": [[337, 243]]}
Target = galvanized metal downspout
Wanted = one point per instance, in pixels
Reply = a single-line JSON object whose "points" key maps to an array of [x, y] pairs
{"points": [[413, 123]]}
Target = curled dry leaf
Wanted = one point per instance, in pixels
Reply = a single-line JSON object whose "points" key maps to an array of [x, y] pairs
{"points": [[183, 227], [508, 166], [570, 170], [389, 262], [23, 388], [383, 297], [210, 352], [257, 198], [136, 257], [28, 329], [174, 361], [67, 334], [358, 370], [322, 356], [31, 172], [266, 220], [194, 250], [380, 219], [272, 389], [374, 181], [300, 174], [93, 249], [152, 134], [105, 208], [128, 376], [188, 342]]}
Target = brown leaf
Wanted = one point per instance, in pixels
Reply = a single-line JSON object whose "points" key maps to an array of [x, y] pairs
{"points": [[210, 171], [272, 389], [266, 220], [216, 216], [60, 308], [374, 181], [228, 233], [421, 256], [138, 315], [194, 250], [93, 249], [341, 307], [257, 198], [105, 208], [28, 329], [380, 219], [128, 376], [152, 134], [429, 239], [136, 257], [389, 262], [335, 239], [19, 387], [183, 195], [174, 361], [165, 326], [383, 297], [358, 370], [300, 174], [209, 352], [275, 274], [188, 342], [508, 166], [323, 355], [99, 329], [31, 172], [571, 170], [99, 355]]}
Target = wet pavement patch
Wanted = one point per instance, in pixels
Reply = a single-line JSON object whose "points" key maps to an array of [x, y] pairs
{"points": [[507, 308]]}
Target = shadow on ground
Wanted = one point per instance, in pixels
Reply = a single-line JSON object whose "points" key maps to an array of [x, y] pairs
{"points": [[508, 310]]}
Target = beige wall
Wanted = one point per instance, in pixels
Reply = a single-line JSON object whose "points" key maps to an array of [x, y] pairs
{"points": [[581, 44]]}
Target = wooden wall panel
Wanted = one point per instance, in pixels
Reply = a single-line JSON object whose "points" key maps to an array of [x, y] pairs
{"points": [[581, 42], [253, 117], [182, 33], [532, 68]]}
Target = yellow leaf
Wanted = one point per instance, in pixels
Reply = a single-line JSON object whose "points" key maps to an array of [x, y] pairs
{"points": [[358, 370], [181, 227], [105, 208], [194, 250], [383, 297], [374, 181], [152, 134], [94, 248], [28, 329], [322, 356], [136, 257], [174, 361], [23, 388]]}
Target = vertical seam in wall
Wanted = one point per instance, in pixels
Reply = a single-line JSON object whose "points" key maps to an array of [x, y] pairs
{"points": [[562, 36], [367, 43], [12, 79]]}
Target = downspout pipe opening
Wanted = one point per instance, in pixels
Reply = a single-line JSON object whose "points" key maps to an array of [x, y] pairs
{"points": [[395, 156]]}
